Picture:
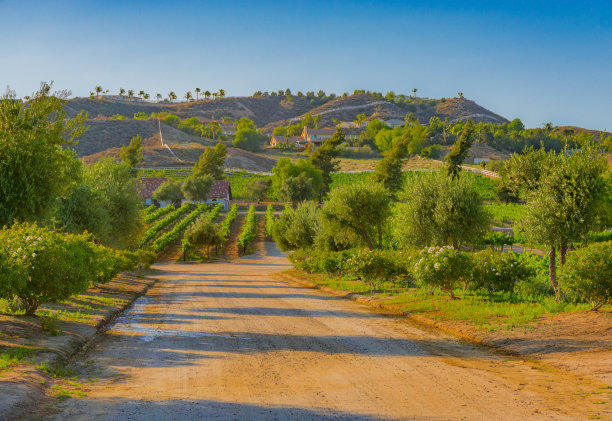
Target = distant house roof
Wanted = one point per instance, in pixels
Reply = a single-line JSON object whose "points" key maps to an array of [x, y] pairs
{"points": [[220, 189], [294, 139], [320, 132], [147, 186], [279, 139], [205, 120]]}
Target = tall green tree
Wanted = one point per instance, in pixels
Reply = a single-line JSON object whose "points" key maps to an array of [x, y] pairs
{"points": [[388, 171], [36, 165], [211, 162], [357, 214], [197, 188], [460, 150], [170, 191], [246, 135], [324, 158], [285, 170], [567, 203], [115, 184], [132, 154], [441, 211]]}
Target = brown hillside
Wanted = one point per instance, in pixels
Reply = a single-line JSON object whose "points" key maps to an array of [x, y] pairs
{"points": [[156, 156], [105, 134], [461, 108], [262, 110]]}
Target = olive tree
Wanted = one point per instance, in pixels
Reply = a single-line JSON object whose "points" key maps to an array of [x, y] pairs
{"points": [[441, 211], [357, 214], [36, 165]]}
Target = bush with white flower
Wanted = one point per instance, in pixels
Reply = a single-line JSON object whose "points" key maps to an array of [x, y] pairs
{"points": [[441, 267], [54, 266], [497, 271]]}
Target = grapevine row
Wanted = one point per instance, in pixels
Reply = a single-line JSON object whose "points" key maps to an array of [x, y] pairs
{"points": [[214, 213], [269, 221], [247, 235], [227, 222], [163, 223], [171, 236], [149, 209], [158, 213]]}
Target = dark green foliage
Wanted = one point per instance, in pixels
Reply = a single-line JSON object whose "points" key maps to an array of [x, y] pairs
{"points": [[211, 162], [587, 275], [196, 188], [170, 191], [441, 211], [356, 215], [460, 150], [296, 228], [256, 189], [132, 154], [324, 158], [36, 167]]}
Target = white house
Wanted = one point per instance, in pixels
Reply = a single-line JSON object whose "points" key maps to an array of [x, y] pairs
{"points": [[220, 192]]}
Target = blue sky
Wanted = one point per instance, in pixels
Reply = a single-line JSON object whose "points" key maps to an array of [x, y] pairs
{"points": [[536, 60]]}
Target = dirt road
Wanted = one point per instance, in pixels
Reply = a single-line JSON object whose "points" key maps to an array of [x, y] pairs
{"points": [[231, 341]]}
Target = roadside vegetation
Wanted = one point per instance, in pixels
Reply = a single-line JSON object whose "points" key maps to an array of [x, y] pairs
{"points": [[422, 240]]}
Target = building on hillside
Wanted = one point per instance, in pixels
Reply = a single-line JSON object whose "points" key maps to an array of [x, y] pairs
{"points": [[316, 137], [395, 122], [352, 133], [280, 141], [228, 129], [220, 192], [205, 120], [146, 188]]}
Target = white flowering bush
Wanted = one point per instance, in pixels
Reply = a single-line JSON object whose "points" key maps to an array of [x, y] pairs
{"points": [[497, 271], [55, 265], [587, 275], [441, 267]]}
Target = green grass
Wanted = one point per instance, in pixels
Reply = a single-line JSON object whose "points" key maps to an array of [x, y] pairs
{"points": [[503, 311], [505, 212], [10, 357]]}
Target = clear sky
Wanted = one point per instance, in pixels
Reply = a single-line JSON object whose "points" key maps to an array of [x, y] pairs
{"points": [[536, 60]]}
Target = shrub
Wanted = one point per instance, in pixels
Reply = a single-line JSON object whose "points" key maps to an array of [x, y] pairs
{"points": [[140, 115], [56, 265], [587, 275], [318, 261], [374, 266], [442, 267], [497, 271]]}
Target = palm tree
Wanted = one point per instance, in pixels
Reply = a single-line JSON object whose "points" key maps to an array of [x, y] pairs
{"points": [[221, 93], [360, 118], [146, 96], [197, 91], [460, 94], [172, 96], [414, 91], [548, 126], [159, 97], [98, 90], [207, 94], [215, 94], [121, 91], [130, 92], [214, 127], [141, 93], [188, 96]]}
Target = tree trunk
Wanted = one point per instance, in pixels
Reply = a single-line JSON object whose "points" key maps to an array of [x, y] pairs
{"points": [[552, 270], [562, 252]]}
